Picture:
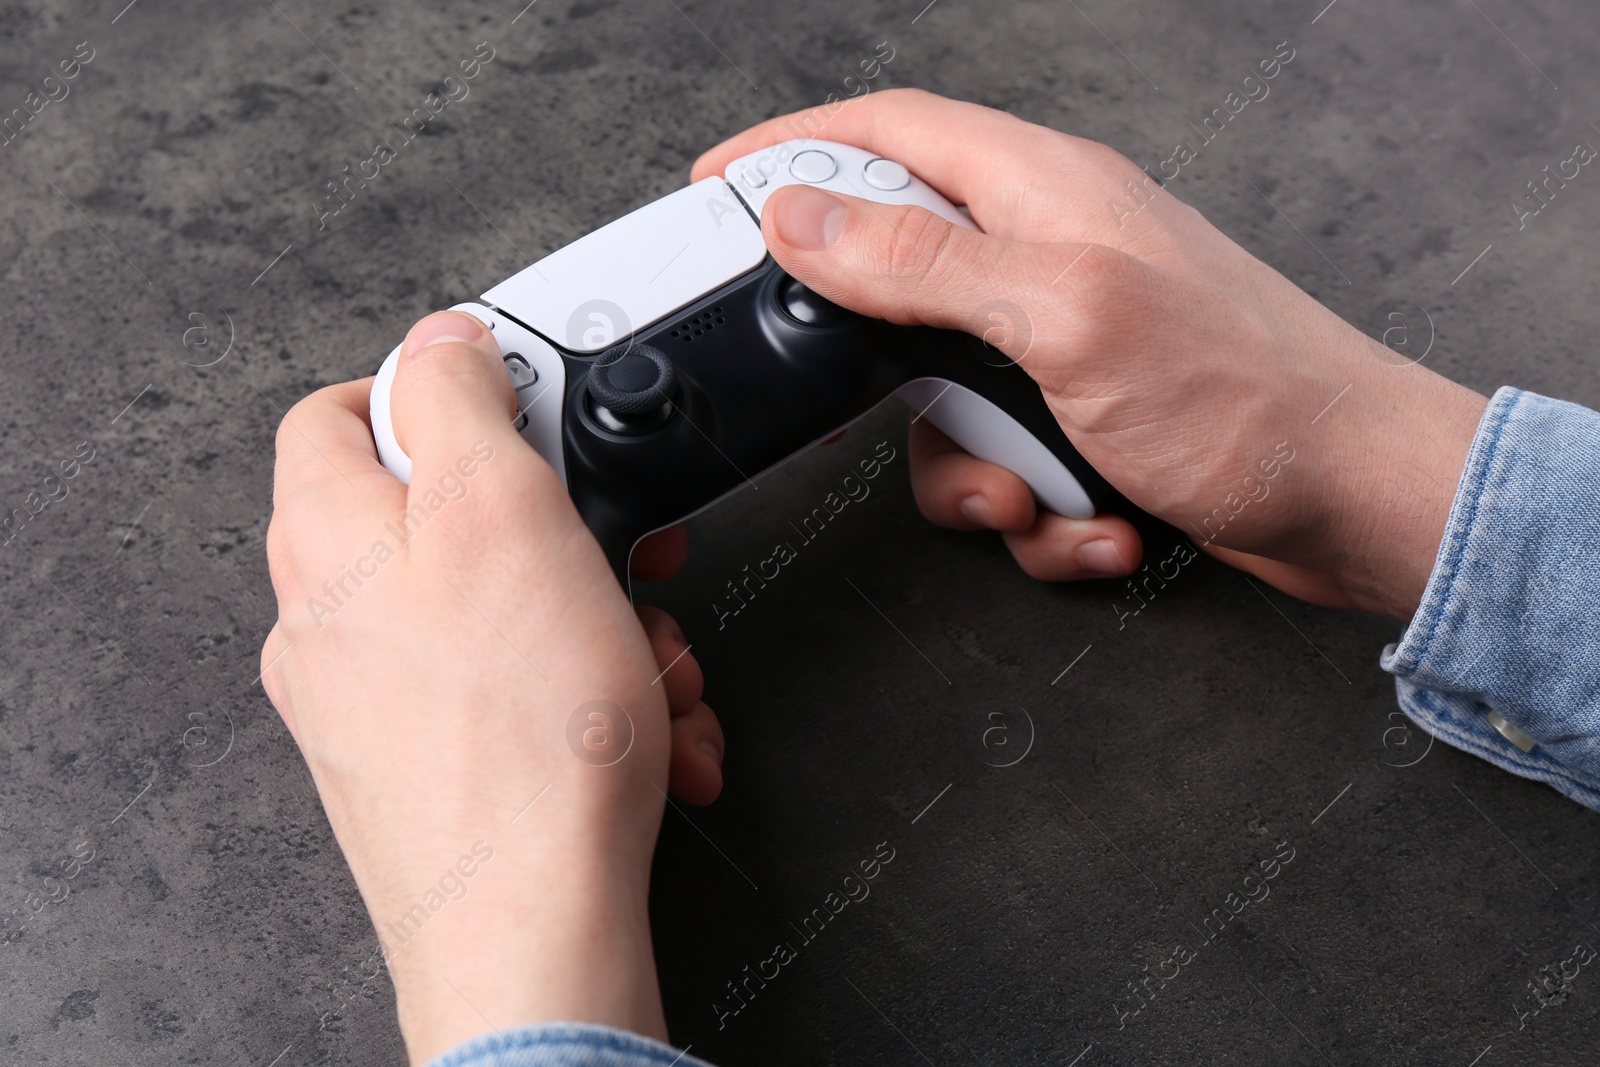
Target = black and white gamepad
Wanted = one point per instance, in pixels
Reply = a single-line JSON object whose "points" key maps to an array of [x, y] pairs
{"points": [[665, 361]]}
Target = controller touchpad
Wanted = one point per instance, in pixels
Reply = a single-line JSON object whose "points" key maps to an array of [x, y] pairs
{"points": [[637, 270]]}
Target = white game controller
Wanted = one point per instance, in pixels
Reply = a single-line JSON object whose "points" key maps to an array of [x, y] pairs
{"points": [[665, 360]]}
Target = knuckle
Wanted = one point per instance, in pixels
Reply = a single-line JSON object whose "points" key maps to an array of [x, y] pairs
{"points": [[916, 247], [305, 419], [1032, 563], [279, 558], [287, 585], [1116, 167], [885, 103], [1102, 266], [931, 506], [938, 492], [1045, 559], [1101, 289], [288, 434], [905, 96]]}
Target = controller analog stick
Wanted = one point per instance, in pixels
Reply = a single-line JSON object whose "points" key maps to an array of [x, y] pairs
{"points": [[632, 388], [807, 307]]}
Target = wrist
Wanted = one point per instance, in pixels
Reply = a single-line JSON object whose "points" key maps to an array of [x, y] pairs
{"points": [[1394, 499], [552, 927], [565, 938]]}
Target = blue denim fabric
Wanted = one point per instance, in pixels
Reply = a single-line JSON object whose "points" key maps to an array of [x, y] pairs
{"points": [[1510, 620], [565, 1045]]}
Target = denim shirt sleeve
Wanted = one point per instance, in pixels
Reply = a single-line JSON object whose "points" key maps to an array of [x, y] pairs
{"points": [[564, 1045], [1503, 656]]}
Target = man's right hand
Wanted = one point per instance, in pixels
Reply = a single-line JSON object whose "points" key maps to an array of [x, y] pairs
{"points": [[1205, 386]]}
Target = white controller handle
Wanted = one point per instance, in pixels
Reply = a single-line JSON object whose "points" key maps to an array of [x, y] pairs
{"points": [[537, 375]]}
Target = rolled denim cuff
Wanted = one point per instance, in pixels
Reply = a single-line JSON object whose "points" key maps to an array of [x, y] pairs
{"points": [[1503, 656], [564, 1045]]}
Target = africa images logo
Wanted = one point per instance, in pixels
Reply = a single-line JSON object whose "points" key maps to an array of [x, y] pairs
{"points": [[852, 489]]}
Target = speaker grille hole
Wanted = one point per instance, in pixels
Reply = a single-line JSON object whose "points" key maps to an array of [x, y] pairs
{"points": [[699, 325]]}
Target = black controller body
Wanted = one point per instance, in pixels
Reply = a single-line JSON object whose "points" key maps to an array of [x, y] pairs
{"points": [[756, 384]]}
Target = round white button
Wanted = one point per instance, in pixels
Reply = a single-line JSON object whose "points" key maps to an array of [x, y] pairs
{"points": [[887, 175], [813, 166], [753, 177]]}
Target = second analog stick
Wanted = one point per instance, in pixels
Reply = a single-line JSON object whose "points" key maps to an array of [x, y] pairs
{"points": [[632, 388], [805, 306]]}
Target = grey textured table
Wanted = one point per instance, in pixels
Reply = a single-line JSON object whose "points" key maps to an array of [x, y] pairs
{"points": [[210, 918]]}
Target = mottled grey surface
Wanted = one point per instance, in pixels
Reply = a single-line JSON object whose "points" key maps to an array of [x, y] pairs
{"points": [[209, 917]]}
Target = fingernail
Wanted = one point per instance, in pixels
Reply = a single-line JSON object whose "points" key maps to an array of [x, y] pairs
{"points": [[1101, 557], [809, 218], [977, 510], [711, 750], [444, 327]]}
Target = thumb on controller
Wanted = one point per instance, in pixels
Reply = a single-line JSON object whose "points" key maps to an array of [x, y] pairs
{"points": [[453, 406], [909, 266]]}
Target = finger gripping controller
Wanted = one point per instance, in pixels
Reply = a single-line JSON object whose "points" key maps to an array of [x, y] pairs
{"points": [[665, 361]]}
